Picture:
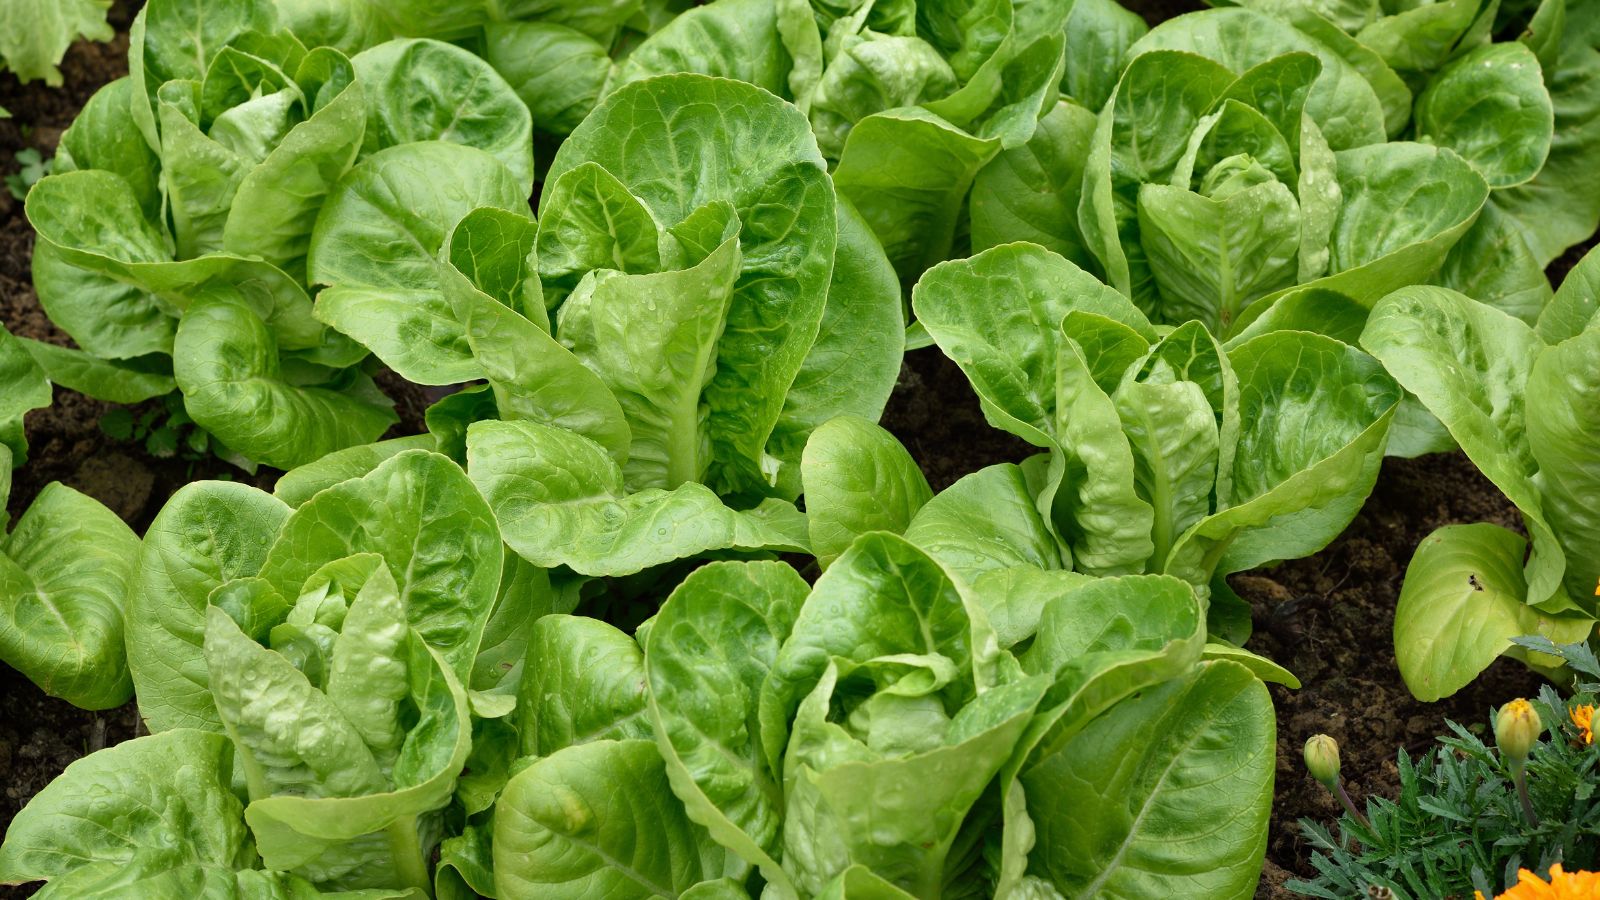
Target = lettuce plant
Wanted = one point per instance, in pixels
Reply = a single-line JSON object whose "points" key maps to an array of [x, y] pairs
{"points": [[557, 56], [986, 529], [176, 238], [1164, 452], [841, 740], [64, 567], [907, 99], [1237, 158], [1201, 222], [659, 346], [934, 88], [1524, 405], [1205, 187], [331, 658], [1471, 74], [35, 35]]}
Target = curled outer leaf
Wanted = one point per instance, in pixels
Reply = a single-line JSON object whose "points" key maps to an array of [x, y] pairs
{"points": [[64, 573], [228, 367], [208, 534], [157, 801], [1563, 432], [598, 819], [706, 657], [988, 522], [561, 500], [1100, 642], [425, 90], [106, 275], [1490, 105], [1292, 495], [857, 479], [1469, 365], [585, 682], [1463, 600], [916, 222], [1202, 794]]}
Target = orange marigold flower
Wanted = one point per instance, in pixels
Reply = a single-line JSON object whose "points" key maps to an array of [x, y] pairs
{"points": [[1561, 886], [1583, 717]]}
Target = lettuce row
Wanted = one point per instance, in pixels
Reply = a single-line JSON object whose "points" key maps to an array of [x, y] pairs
{"points": [[369, 682], [646, 362], [178, 239], [303, 675], [857, 734], [908, 100], [1287, 163], [426, 695], [1164, 451], [65, 567]]}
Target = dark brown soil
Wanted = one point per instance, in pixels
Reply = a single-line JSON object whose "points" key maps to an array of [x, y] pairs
{"points": [[935, 414], [1327, 618]]}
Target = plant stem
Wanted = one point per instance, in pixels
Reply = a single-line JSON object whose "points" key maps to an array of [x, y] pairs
{"points": [[407, 854], [1521, 777], [1350, 807]]}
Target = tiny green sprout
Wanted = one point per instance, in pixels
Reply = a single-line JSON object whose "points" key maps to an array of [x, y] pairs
{"points": [[33, 167], [1516, 728]]}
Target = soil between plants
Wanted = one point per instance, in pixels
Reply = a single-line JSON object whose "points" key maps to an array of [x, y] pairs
{"points": [[1327, 618]]}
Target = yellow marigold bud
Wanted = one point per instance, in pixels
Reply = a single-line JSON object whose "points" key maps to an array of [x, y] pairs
{"points": [[1516, 727], [1322, 759]]}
